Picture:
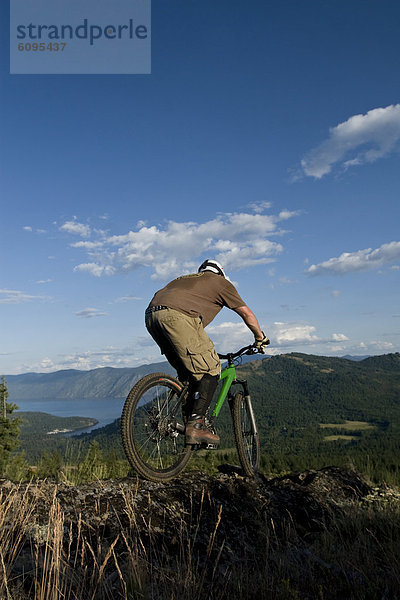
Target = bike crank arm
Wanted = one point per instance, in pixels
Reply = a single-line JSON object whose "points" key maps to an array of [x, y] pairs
{"points": [[178, 427]]}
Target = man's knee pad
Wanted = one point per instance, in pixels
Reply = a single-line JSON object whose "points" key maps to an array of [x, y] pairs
{"points": [[204, 393], [207, 386]]}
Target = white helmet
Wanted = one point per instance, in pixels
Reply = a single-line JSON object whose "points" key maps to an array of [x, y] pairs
{"points": [[213, 266]]}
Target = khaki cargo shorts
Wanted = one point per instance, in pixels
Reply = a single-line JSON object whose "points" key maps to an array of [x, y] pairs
{"points": [[184, 343]]}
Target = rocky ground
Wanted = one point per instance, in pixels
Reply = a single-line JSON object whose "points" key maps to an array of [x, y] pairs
{"points": [[198, 536]]}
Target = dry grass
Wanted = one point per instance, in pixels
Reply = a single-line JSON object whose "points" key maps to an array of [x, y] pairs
{"points": [[354, 557], [71, 562]]}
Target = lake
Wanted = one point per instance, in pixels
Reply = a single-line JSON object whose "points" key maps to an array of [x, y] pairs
{"points": [[104, 410]]}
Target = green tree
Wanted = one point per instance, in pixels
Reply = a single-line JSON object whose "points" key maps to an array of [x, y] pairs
{"points": [[9, 427], [50, 465], [116, 467], [93, 467], [17, 468]]}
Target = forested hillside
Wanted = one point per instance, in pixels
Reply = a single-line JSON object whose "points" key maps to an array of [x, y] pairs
{"points": [[316, 410], [300, 389], [311, 411]]}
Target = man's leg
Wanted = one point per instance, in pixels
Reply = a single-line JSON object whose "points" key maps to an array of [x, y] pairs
{"points": [[191, 352], [154, 325], [198, 355], [196, 431]]}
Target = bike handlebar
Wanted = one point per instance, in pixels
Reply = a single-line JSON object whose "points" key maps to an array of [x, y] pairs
{"points": [[246, 350]]}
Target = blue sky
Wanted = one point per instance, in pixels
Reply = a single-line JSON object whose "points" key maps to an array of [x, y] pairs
{"points": [[267, 136]]}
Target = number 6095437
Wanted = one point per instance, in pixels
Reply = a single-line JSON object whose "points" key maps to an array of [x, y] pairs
{"points": [[42, 47]]}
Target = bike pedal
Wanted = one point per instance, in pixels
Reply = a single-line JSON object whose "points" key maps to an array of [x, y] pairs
{"points": [[209, 446], [204, 446]]}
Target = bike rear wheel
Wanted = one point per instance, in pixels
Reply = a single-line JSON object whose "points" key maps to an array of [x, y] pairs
{"points": [[246, 436], [152, 428]]}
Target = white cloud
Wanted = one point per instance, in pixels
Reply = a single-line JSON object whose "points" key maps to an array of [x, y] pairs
{"points": [[76, 228], [339, 337], [285, 337], [362, 260], [288, 334], [288, 214], [259, 207], [361, 139], [104, 357], [338, 349], [379, 346], [228, 336], [17, 297], [95, 269], [237, 240], [128, 298], [30, 229], [87, 245], [88, 313], [46, 364]]}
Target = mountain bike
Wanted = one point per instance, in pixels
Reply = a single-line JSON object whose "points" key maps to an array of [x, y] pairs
{"points": [[153, 430]]}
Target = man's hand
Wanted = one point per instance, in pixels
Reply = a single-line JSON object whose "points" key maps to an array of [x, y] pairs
{"points": [[261, 344]]}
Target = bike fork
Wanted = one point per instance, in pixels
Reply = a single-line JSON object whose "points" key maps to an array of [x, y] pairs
{"points": [[247, 399]]}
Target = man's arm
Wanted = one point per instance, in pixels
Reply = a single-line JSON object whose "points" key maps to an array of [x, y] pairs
{"points": [[251, 321]]}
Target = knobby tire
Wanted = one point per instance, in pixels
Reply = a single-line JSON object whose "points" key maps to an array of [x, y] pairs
{"points": [[153, 443], [247, 441]]}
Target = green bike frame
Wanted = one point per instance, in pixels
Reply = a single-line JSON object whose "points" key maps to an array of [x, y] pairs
{"points": [[229, 376]]}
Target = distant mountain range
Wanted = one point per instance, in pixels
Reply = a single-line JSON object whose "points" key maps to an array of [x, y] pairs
{"points": [[106, 382], [74, 384]]}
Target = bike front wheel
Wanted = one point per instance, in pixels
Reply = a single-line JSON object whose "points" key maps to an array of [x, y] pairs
{"points": [[246, 436], [152, 428]]}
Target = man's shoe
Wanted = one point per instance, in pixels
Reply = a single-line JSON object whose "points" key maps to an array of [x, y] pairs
{"points": [[197, 432]]}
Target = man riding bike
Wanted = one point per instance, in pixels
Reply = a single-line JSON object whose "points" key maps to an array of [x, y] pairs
{"points": [[175, 319]]}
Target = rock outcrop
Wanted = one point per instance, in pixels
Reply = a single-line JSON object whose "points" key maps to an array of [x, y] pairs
{"points": [[196, 537]]}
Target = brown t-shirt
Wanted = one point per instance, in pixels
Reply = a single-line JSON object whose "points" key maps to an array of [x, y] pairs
{"points": [[198, 295]]}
